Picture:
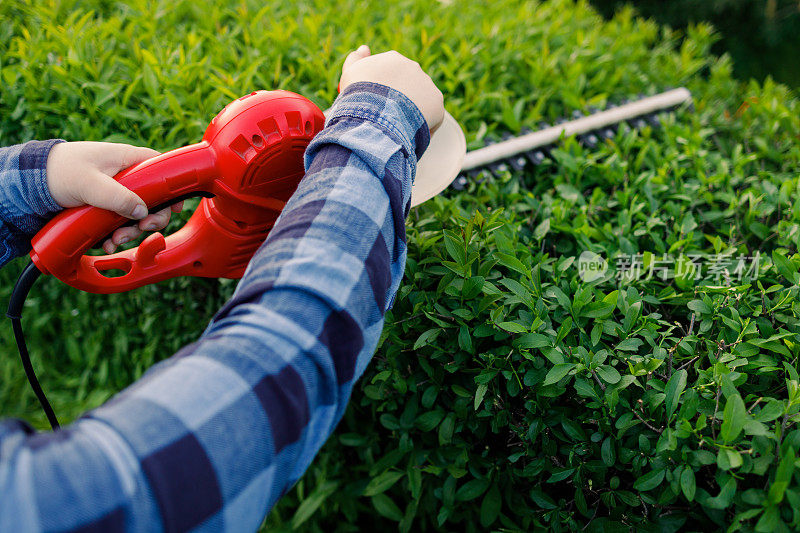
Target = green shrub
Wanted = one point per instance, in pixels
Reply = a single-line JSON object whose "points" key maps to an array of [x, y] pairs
{"points": [[760, 35], [508, 392]]}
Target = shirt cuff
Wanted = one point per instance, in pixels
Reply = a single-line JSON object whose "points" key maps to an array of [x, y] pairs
{"points": [[33, 174], [387, 107]]}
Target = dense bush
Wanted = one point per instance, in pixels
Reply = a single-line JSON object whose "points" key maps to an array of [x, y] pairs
{"points": [[509, 391], [761, 36]]}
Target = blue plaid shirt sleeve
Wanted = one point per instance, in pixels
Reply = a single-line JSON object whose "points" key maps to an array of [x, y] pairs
{"points": [[210, 438], [25, 201]]}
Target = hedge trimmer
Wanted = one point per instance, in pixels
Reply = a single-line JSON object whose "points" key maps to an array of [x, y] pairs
{"points": [[246, 167]]}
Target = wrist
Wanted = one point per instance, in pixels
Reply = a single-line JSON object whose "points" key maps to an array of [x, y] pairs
{"points": [[389, 108]]}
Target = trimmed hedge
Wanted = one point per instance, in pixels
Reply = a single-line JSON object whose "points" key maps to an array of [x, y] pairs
{"points": [[510, 392]]}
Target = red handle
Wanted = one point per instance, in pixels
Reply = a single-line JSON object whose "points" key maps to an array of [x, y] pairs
{"points": [[72, 232], [250, 161]]}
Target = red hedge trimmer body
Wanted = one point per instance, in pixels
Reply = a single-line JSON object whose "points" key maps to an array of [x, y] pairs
{"points": [[247, 165]]}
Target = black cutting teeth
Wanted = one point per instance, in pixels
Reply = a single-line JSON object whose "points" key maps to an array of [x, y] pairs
{"points": [[653, 120], [460, 183], [589, 140], [536, 157], [607, 133], [499, 167]]}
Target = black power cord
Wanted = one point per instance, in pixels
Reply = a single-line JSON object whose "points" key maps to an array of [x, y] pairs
{"points": [[18, 295], [23, 286]]}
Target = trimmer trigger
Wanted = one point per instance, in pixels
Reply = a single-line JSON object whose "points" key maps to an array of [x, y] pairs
{"points": [[147, 251]]}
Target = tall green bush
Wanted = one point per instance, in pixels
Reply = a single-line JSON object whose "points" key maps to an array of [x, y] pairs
{"points": [[508, 393]]}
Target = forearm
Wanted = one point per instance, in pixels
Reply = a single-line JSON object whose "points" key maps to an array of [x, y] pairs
{"points": [[214, 435], [25, 201]]}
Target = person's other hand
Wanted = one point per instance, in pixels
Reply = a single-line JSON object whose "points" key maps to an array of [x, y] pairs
{"points": [[80, 173], [400, 73]]}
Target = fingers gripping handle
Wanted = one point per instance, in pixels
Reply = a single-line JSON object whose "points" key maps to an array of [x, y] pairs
{"points": [[59, 248]]}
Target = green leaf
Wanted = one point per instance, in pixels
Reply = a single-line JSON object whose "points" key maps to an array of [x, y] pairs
{"points": [[558, 372], [597, 332], [479, 394], [563, 300], [464, 339], [542, 500], [455, 248], [753, 427], [564, 329], [533, 340], [649, 481], [312, 502], [608, 374], [472, 287], [728, 459], [735, 416], [513, 263], [598, 309], [408, 517], [791, 370], [629, 345], [785, 267], [386, 507], [513, 327], [427, 337], [542, 229], [560, 475], [519, 290], [446, 429], [721, 500], [568, 192], [699, 307], [382, 483], [471, 489], [352, 439], [783, 477], [688, 223], [414, 481], [673, 391], [428, 421], [490, 507], [770, 521], [573, 430], [770, 411], [607, 453], [688, 485]]}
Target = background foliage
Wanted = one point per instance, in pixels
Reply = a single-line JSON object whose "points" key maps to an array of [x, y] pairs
{"points": [[762, 36], [507, 394]]}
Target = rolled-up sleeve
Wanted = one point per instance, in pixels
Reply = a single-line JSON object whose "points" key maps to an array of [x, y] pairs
{"points": [[25, 201]]}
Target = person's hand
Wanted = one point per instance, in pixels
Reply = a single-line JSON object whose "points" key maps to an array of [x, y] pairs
{"points": [[397, 72], [80, 173]]}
